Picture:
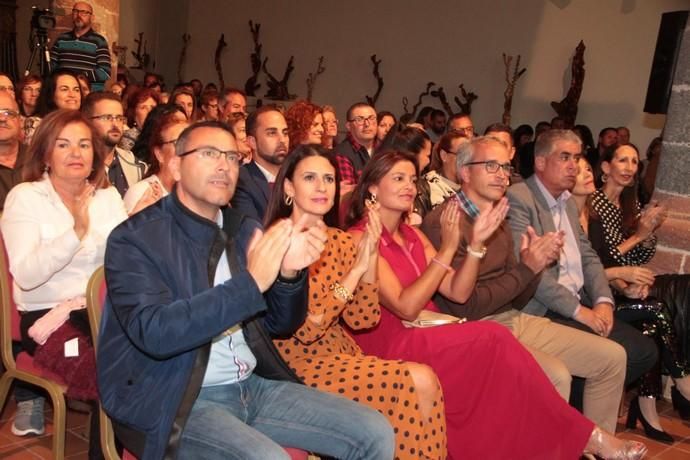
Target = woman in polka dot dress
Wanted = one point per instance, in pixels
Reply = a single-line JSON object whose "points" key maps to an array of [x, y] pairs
{"points": [[623, 237], [343, 286]]}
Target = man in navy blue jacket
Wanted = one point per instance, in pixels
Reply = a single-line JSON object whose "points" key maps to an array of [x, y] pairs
{"points": [[186, 368]]}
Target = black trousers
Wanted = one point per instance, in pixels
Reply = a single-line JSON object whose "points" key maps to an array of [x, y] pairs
{"points": [[641, 350]]}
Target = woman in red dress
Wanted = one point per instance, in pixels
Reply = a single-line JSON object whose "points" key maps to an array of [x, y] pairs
{"points": [[499, 403]]}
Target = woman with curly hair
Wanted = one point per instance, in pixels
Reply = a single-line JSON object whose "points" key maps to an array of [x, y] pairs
{"points": [[305, 123], [139, 104]]}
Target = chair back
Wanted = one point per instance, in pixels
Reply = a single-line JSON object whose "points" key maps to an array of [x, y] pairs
{"points": [[95, 297], [9, 324]]}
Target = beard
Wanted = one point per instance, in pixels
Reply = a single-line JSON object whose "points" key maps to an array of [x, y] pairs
{"points": [[112, 138], [274, 159]]}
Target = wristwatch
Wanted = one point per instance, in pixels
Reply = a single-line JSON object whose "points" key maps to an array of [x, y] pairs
{"points": [[478, 254]]}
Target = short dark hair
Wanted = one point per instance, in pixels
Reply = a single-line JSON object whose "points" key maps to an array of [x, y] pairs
{"points": [[356, 105], [454, 117], [94, 98], [46, 99], [184, 135], [498, 128], [253, 118], [437, 113], [608, 128]]}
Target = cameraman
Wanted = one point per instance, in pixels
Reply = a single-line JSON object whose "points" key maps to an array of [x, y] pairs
{"points": [[83, 50]]}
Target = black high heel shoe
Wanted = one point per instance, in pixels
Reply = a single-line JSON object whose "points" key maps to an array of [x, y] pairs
{"points": [[635, 414], [680, 404]]}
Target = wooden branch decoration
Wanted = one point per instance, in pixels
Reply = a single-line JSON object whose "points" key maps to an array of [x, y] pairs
{"points": [[567, 108], [142, 57], [219, 65], [311, 80], [511, 80], [251, 85], [379, 81], [441, 95], [183, 54], [469, 98], [408, 116], [277, 89]]}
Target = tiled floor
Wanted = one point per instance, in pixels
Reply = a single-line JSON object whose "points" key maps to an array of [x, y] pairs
{"points": [[33, 448]]}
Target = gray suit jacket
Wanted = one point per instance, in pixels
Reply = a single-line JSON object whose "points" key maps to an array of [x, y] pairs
{"points": [[528, 207]]}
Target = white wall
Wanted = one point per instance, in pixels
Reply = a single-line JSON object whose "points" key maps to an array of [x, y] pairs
{"points": [[448, 42]]}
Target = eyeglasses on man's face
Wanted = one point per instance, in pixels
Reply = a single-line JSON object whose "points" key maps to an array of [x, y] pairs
{"points": [[81, 12], [110, 118], [212, 153], [11, 114], [492, 166], [361, 120]]}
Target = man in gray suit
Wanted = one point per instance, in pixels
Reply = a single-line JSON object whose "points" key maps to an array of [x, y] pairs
{"points": [[574, 290]]}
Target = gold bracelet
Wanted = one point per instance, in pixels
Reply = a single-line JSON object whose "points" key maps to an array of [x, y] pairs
{"points": [[342, 292]]}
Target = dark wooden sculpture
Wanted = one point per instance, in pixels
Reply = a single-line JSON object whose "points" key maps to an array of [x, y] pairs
{"points": [[183, 55], [219, 65], [567, 108], [441, 95], [141, 56], [408, 116], [511, 81], [251, 85], [311, 79], [278, 89], [379, 81], [469, 98]]}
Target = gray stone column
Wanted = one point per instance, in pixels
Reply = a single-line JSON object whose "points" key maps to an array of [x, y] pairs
{"points": [[672, 187]]}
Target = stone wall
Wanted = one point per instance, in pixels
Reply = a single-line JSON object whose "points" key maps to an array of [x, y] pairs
{"points": [[673, 177]]}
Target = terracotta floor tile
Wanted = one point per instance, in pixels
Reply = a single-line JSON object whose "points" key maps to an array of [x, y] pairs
{"points": [[19, 454], [43, 447], [672, 454]]}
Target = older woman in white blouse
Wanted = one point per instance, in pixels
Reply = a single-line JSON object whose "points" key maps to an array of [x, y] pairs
{"points": [[55, 226]]}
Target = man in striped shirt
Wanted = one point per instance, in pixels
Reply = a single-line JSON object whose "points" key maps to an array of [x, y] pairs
{"points": [[83, 50]]}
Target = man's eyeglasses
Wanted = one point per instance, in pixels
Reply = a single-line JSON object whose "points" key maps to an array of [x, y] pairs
{"points": [[7, 88], [361, 120], [11, 114], [110, 118], [492, 167], [82, 12], [212, 153], [463, 130]]}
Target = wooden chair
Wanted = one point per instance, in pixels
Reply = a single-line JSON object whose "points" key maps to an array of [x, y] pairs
{"points": [[95, 298], [23, 368]]}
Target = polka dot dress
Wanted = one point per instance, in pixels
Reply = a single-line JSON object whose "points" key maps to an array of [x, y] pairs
{"points": [[325, 356]]}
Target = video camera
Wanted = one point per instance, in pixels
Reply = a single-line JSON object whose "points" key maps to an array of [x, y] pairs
{"points": [[42, 19]]}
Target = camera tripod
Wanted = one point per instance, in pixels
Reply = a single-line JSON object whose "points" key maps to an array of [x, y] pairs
{"points": [[40, 48]]}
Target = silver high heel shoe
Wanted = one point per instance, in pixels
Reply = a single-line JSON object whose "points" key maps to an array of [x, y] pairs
{"points": [[630, 450]]}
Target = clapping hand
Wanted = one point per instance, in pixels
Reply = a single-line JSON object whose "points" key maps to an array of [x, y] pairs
{"points": [[80, 210], [450, 226], [488, 221], [538, 252], [651, 217], [306, 245]]}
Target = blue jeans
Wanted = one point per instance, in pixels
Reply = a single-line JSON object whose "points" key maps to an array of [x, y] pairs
{"points": [[254, 418]]}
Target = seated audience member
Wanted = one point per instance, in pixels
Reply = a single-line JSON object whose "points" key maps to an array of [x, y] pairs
{"points": [[441, 176], [522, 135], [461, 123], [343, 283], [6, 84], [305, 123], [417, 142], [473, 361], [142, 147], [185, 98], [267, 135], [585, 135], [122, 167], [608, 137], [437, 125], [623, 135], [152, 80], [188, 343], [139, 104], [158, 181], [354, 151], [526, 153], [558, 123], [209, 106], [330, 127], [61, 90], [238, 126], [624, 239], [117, 89], [54, 226], [28, 89], [499, 284], [385, 121], [12, 151], [504, 134], [574, 291], [197, 88], [232, 100]]}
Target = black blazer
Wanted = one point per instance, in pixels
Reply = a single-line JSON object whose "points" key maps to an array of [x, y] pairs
{"points": [[252, 192]]}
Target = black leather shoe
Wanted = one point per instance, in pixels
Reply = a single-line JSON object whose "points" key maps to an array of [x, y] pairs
{"points": [[635, 414], [680, 404]]}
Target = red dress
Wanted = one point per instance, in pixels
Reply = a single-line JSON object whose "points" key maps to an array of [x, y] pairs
{"points": [[499, 403]]}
